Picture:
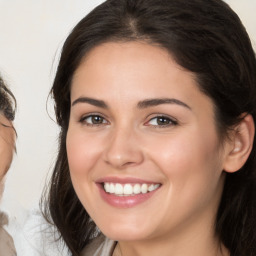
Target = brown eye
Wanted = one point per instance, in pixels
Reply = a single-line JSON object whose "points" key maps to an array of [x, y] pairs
{"points": [[161, 121], [97, 119], [93, 120]]}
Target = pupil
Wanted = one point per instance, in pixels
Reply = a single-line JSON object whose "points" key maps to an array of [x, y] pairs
{"points": [[97, 120], [162, 120]]}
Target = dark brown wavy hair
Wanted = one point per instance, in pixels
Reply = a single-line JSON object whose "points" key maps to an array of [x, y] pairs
{"points": [[7, 101], [205, 37]]}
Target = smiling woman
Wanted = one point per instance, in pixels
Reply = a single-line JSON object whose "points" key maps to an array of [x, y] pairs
{"points": [[143, 148], [156, 101]]}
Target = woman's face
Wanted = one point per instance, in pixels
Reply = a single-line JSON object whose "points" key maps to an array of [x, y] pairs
{"points": [[143, 152], [7, 141]]}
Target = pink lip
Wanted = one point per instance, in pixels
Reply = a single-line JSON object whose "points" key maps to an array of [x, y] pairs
{"points": [[124, 201], [124, 180]]}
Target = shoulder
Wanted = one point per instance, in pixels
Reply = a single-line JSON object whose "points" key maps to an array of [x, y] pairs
{"points": [[6, 241], [33, 236], [3, 219], [99, 246]]}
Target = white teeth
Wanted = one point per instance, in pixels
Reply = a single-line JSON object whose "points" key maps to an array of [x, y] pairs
{"points": [[112, 188], [129, 189], [144, 188], [107, 187], [119, 189], [151, 187], [156, 186], [136, 189]]}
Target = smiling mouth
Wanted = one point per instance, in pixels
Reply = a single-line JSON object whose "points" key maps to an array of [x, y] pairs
{"points": [[129, 189]]}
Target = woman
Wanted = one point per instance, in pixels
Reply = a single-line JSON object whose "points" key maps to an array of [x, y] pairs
{"points": [[7, 146], [156, 101]]}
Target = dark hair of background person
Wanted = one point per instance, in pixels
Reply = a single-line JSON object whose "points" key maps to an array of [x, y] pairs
{"points": [[205, 37], [7, 101]]}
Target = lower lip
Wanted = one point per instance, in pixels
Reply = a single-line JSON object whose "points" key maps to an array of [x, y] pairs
{"points": [[124, 201]]}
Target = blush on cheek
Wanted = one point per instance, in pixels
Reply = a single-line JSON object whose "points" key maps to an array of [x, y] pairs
{"points": [[74, 153], [81, 155]]}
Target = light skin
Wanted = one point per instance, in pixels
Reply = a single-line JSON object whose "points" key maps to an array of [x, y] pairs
{"points": [[135, 113], [7, 146]]}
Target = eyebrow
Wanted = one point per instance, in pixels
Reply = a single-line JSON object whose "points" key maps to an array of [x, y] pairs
{"points": [[155, 102], [141, 104], [94, 102]]}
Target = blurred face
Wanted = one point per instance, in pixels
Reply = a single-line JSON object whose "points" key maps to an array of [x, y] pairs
{"points": [[7, 141], [143, 152]]}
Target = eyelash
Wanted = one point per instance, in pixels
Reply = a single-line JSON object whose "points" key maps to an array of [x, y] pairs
{"points": [[84, 118], [169, 121]]}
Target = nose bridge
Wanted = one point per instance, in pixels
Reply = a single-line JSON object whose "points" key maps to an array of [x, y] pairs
{"points": [[123, 148]]}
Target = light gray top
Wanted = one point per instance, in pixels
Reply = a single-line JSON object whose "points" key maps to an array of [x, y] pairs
{"points": [[6, 242], [100, 246]]}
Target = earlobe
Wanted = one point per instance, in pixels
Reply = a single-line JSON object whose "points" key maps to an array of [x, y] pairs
{"points": [[240, 145]]}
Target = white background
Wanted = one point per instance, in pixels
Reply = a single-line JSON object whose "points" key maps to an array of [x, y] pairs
{"points": [[31, 35]]}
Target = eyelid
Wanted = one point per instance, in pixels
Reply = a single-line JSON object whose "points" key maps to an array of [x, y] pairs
{"points": [[172, 120], [84, 117]]}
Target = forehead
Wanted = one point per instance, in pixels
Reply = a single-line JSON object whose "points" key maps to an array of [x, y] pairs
{"points": [[133, 65], [133, 71]]}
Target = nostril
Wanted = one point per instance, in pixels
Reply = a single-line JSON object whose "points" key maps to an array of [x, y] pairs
{"points": [[129, 163]]}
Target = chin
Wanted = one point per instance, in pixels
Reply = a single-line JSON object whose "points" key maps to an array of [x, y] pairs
{"points": [[123, 236], [125, 232]]}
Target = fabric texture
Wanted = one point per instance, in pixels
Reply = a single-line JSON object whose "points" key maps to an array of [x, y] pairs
{"points": [[31, 234], [7, 247], [37, 238], [100, 246]]}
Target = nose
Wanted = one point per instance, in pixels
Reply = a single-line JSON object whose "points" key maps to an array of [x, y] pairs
{"points": [[123, 149]]}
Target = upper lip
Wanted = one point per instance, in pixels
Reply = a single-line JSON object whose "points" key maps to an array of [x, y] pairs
{"points": [[125, 180]]}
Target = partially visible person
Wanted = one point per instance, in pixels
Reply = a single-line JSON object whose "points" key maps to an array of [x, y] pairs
{"points": [[25, 233], [7, 148]]}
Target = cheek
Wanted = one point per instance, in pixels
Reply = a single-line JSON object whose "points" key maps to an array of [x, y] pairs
{"points": [[192, 170], [6, 154], [82, 152], [190, 161]]}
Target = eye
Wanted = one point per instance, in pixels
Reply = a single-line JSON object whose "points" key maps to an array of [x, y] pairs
{"points": [[93, 120], [161, 121]]}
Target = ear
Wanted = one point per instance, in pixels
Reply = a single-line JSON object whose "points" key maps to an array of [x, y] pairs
{"points": [[240, 145]]}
